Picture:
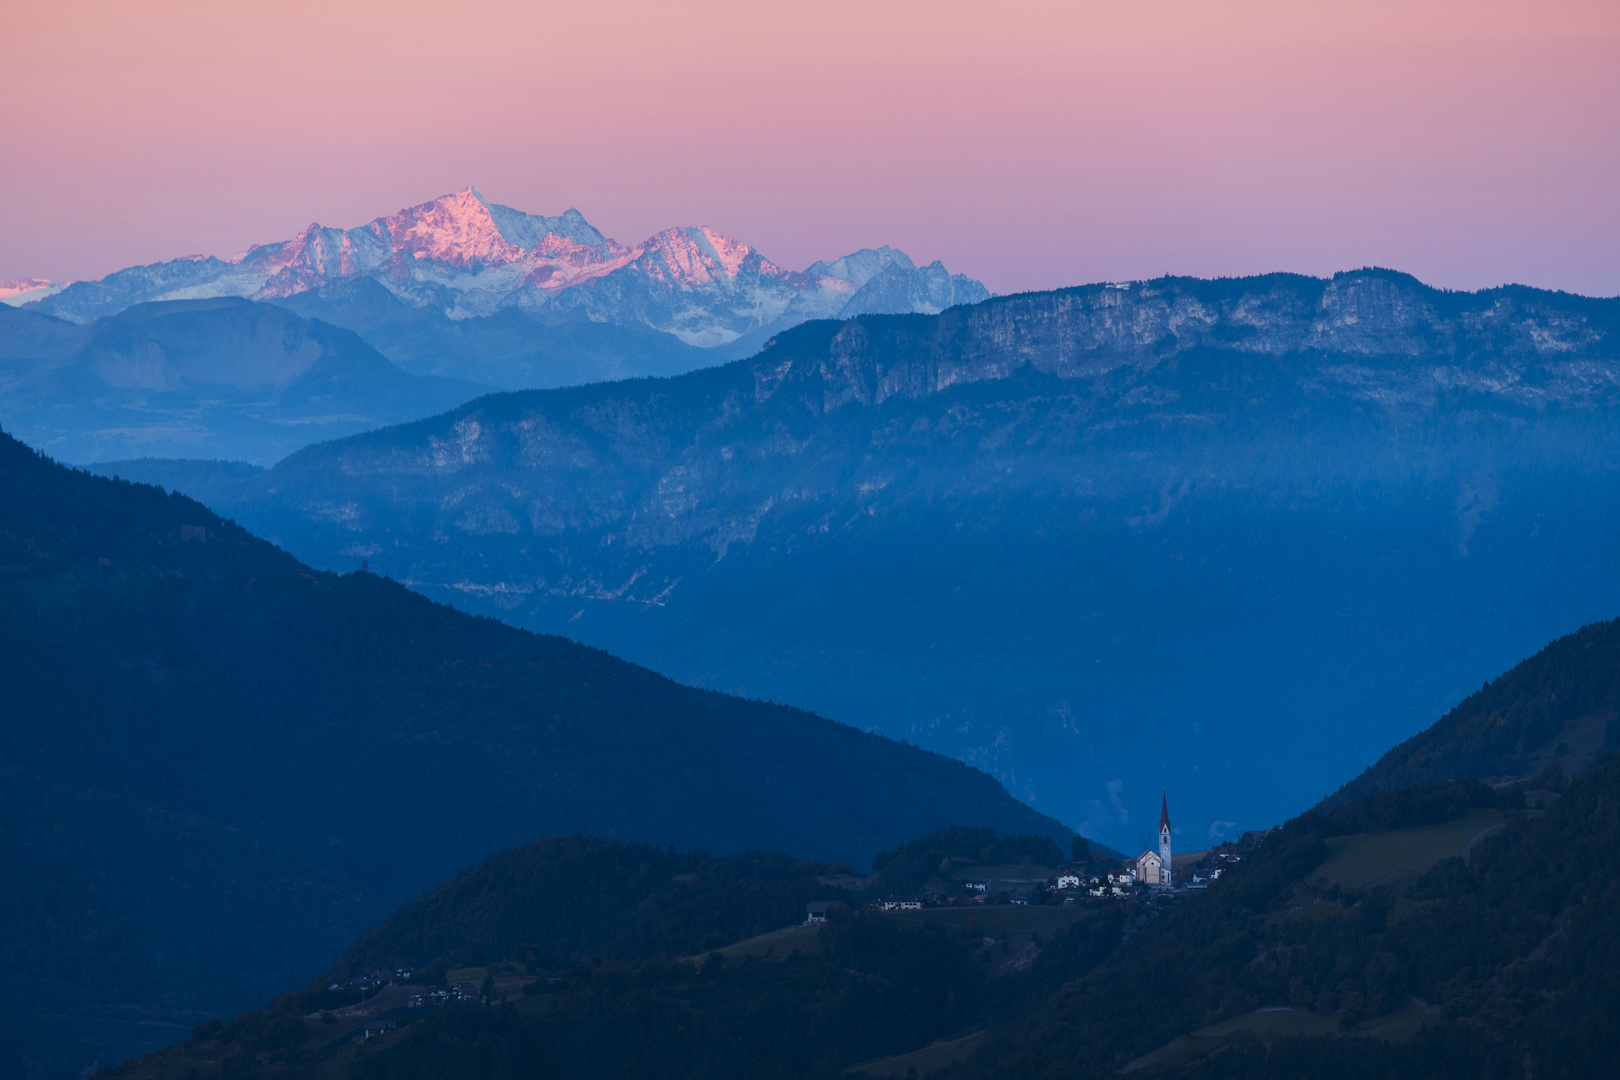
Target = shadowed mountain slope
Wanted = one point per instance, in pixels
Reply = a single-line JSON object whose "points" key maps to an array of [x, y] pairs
{"points": [[1099, 542], [512, 348], [1493, 957], [221, 378], [220, 764]]}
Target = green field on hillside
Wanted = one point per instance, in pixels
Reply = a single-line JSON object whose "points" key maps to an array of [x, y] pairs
{"points": [[1374, 858], [784, 942], [927, 1060], [334, 1026], [1041, 919], [1279, 1022]]}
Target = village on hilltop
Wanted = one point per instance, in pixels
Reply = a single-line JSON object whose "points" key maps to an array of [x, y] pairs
{"points": [[1155, 873]]}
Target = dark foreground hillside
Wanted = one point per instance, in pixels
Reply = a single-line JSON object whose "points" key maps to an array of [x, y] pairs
{"points": [[220, 765], [1499, 960], [608, 959], [578, 899]]}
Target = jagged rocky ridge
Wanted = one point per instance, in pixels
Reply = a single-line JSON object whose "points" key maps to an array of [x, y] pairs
{"points": [[464, 257], [1096, 541]]}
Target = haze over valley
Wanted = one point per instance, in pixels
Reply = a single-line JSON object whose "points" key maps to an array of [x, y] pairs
{"points": [[901, 541], [1116, 503]]}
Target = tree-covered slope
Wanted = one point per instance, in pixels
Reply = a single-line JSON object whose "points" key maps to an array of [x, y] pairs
{"points": [[1552, 715], [1507, 956], [1441, 930], [579, 899], [1497, 961], [221, 764]]}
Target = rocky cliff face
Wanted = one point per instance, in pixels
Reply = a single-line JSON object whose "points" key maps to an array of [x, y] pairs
{"points": [[1233, 537], [1371, 335]]}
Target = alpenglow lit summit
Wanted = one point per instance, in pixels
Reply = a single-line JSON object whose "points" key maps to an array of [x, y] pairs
{"points": [[469, 257]]}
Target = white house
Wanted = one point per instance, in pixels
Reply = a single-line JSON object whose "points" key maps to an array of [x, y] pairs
{"points": [[816, 910], [1068, 880]]}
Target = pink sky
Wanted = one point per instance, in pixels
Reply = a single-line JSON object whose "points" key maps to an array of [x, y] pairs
{"points": [[1031, 144]]}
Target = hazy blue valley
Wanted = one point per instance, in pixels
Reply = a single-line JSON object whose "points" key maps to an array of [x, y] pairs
{"points": [[905, 541], [428, 727], [1231, 538]]}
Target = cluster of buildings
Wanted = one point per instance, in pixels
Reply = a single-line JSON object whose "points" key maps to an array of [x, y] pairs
{"points": [[370, 984], [462, 991], [1156, 870], [1152, 869]]}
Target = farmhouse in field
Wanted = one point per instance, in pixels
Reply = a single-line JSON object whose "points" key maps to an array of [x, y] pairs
{"points": [[816, 910]]}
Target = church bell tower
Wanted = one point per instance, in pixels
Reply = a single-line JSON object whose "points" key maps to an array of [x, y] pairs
{"points": [[1164, 836]]}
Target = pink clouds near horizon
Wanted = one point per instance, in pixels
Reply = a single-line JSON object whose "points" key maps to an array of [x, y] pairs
{"points": [[1030, 144]]}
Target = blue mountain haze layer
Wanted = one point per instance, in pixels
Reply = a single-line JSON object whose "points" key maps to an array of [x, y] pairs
{"points": [[1231, 538]]}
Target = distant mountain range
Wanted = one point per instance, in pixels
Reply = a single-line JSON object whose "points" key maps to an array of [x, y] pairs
{"points": [[449, 265], [221, 378], [219, 765], [1235, 538]]}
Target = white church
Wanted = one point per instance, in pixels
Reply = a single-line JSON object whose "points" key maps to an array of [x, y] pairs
{"points": [[1153, 867]]}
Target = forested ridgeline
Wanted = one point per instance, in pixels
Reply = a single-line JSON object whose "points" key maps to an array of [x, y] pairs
{"points": [[1556, 711], [617, 946], [1507, 959], [578, 899], [223, 765], [1511, 954]]}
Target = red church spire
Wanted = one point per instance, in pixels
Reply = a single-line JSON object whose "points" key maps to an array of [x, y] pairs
{"points": [[1164, 812]]}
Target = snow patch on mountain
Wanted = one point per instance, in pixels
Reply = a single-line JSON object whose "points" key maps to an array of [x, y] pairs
{"points": [[17, 291], [472, 258]]}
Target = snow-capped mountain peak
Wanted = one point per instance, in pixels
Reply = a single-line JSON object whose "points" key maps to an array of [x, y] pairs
{"points": [[862, 266], [692, 257], [471, 257], [530, 231]]}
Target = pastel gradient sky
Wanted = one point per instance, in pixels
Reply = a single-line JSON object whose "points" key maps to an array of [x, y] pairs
{"points": [[1031, 144]]}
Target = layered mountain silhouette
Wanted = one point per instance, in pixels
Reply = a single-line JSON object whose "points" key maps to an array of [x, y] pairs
{"points": [[1232, 537], [220, 378], [221, 765], [449, 270]]}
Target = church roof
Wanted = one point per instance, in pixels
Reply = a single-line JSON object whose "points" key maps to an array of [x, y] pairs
{"points": [[1164, 812]]}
